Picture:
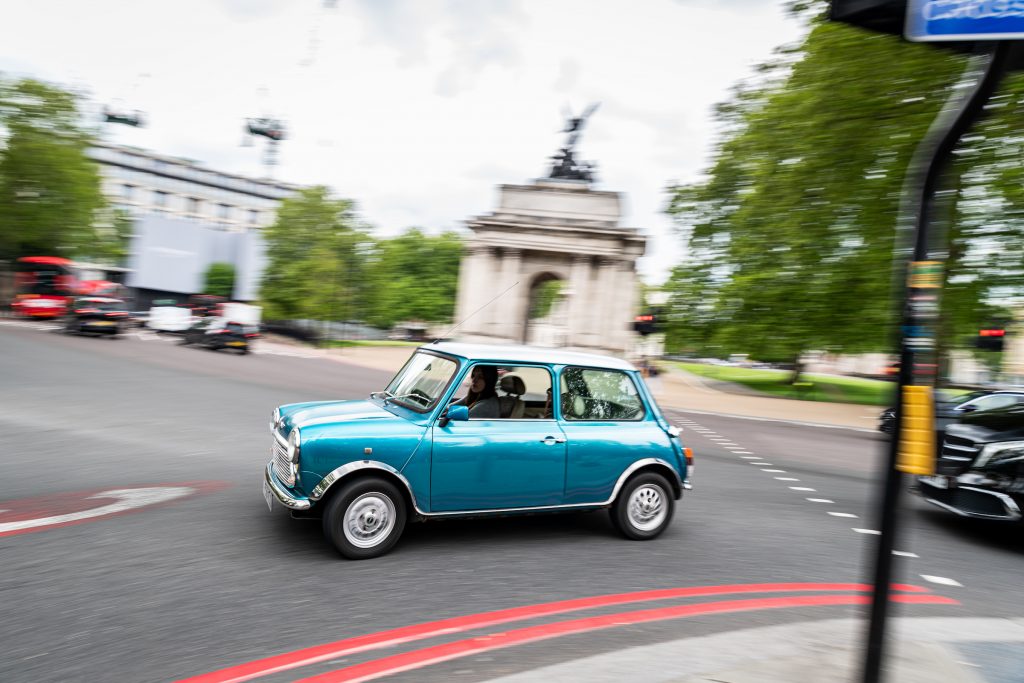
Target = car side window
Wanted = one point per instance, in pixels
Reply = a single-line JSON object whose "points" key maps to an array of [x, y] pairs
{"points": [[591, 394], [992, 401], [519, 392]]}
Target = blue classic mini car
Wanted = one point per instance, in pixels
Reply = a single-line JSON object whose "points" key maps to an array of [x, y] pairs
{"points": [[472, 430]]}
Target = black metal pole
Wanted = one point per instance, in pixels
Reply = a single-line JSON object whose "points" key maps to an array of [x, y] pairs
{"points": [[923, 176]]}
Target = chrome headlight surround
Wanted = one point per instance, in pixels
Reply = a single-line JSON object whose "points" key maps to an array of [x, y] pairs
{"points": [[275, 420], [994, 453], [294, 446]]}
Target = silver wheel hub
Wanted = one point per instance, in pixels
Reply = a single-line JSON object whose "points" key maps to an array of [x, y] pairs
{"points": [[369, 520], [647, 507]]}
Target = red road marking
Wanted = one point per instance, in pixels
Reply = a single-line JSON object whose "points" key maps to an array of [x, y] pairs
{"points": [[59, 507], [436, 654], [405, 634]]}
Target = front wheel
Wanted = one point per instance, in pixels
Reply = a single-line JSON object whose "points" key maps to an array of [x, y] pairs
{"points": [[365, 519], [644, 507]]}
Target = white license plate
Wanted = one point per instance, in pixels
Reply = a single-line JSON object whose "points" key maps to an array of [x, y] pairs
{"points": [[267, 495], [938, 482]]}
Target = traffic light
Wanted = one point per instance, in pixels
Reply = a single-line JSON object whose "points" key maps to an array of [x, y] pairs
{"points": [[645, 324], [886, 16], [990, 339]]}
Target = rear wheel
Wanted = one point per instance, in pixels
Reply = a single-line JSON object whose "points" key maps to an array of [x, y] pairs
{"points": [[644, 507], [365, 519]]}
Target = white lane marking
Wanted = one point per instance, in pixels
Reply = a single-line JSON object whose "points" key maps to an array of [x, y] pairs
{"points": [[774, 471], [742, 452], [751, 457], [786, 479], [872, 532], [129, 500], [821, 500], [843, 514], [802, 488], [904, 553], [941, 580], [766, 464], [775, 419]]}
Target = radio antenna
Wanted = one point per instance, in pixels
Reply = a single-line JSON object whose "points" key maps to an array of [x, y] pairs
{"points": [[466, 319]]}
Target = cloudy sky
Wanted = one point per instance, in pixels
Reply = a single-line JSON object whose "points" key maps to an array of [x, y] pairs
{"points": [[414, 108]]}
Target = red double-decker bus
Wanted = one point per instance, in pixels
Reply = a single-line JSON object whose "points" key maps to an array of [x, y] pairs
{"points": [[43, 286]]}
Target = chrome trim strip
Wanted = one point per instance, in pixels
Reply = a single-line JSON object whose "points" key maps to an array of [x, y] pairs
{"points": [[283, 497], [281, 440], [334, 476], [957, 458], [955, 447], [1013, 512], [320, 489]]}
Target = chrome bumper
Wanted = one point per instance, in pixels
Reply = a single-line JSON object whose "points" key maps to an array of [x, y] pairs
{"points": [[283, 497]]}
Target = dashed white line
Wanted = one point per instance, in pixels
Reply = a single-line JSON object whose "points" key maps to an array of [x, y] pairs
{"points": [[742, 452], [843, 514], [904, 553], [821, 500], [766, 464], [871, 532], [771, 471], [802, 488], [788, 479], [751, 457], [941, 580]]}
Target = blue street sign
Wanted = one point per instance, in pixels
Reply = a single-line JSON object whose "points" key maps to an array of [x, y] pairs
{"points": [[964, 20]]}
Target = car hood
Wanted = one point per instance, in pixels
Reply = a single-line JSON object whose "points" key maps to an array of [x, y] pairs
{"points": [[331, 412], [988, 430]]}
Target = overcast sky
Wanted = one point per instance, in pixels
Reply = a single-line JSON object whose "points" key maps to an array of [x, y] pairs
{"points": [[416, 109]]}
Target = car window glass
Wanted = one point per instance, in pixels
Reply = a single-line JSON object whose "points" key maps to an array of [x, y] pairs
{"points": [[422, 381], [521, 391], [993, 401], [589, 394]]}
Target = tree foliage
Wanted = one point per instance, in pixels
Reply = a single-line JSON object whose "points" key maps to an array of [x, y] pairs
{"points": [[50, 197], [414, 276], [323, 265], [220, 280], [790, 237]]}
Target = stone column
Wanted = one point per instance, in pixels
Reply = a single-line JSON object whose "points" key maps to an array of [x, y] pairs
{"points": [[579, 303], [472, 288], [606, 302], [505, 309], [627, 294]]}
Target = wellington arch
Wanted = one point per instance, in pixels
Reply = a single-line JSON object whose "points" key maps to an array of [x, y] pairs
{"points": [[554, 228]]}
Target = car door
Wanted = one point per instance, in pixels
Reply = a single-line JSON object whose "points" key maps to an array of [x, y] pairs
{"points": [[497, 464], [608, 427]]}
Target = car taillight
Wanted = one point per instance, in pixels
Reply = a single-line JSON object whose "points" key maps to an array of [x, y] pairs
{"points": [[251, 335], [82, 311]]}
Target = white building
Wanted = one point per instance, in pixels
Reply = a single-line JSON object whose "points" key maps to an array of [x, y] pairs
{"points": [[188, 217], [144, 182]]}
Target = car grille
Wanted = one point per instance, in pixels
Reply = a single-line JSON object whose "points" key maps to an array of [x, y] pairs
{"points": [[957, 453], [971, 501], [282, 464]]}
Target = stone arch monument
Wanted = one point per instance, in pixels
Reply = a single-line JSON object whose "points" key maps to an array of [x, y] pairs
{"points": [[555, 228]]}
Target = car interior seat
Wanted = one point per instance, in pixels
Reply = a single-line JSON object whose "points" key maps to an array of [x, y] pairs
{"points": [[512, 405]]}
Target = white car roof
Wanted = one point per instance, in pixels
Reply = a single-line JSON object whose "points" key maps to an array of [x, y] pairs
{"points": [[527, 354]]}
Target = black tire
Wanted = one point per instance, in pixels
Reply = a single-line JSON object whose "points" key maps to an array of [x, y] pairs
{"points": [[373, 494], [655, 492]]}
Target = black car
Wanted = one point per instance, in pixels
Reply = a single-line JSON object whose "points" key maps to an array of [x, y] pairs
{"points": [[96, 315], [216, 333], [951, 407], [980, 468]]}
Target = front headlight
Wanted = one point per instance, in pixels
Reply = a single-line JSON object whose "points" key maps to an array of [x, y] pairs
{"points": [[275, 420], [294, 443], [1001, 453]]}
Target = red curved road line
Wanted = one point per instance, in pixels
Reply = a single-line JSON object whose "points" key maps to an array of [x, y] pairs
{"points": [[56, 504], [436, 654], [405, 634]]}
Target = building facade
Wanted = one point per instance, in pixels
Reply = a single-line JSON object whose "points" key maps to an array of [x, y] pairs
{"points": [[186, 217]]}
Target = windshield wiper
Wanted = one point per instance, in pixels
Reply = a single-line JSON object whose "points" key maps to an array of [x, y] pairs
{"points": [[387, 395], [424, 399]]}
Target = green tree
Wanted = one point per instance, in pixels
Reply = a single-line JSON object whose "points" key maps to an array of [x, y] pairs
{"points": [[791, 235], [50, 195], [220, 280], [317, 251], [414, 276]]}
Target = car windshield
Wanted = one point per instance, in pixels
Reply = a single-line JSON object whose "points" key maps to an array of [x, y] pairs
{"points": [[421, 382]]}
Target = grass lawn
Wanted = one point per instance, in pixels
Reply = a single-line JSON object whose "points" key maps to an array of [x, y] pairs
{"points": [[811, 387], [345, 343]]}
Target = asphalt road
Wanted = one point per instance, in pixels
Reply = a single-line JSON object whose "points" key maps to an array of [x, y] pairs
{"points": [[211, 580]]}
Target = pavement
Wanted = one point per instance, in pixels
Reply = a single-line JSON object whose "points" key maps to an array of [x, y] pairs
{"points": [[679, 390], [926, 650]]}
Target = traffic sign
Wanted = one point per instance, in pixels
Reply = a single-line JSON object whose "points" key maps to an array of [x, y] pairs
{"points": [[964, 20]]}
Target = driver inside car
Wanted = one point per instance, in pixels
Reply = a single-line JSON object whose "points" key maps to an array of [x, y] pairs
{"points": [[482, 398]]}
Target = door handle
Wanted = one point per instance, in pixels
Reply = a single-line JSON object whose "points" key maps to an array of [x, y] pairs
{"points": [[552, 440]]}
